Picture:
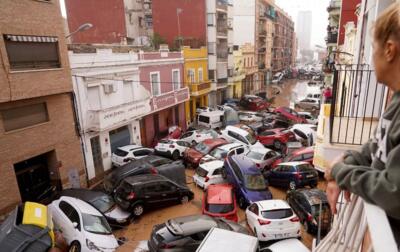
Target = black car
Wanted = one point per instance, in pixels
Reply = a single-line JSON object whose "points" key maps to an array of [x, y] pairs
{"points": [[151, 164], [292, 175], [185, 234], [103, 202], [310, 205], [143, 192]]}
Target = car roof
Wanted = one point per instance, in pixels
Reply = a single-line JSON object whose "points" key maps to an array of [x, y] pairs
{"points": [[295, 163], [230, 146], [212, 113], [82, 206], [314, 196], [260, 150], [144, 178], [83, 194], [130, 147], [212, 165], [237, 130], [192, 224], [245, 164], [219, 194], [303, 150], [272, 204]]}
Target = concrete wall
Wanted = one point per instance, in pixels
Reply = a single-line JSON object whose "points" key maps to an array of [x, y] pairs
{"points": [[244, 21]]}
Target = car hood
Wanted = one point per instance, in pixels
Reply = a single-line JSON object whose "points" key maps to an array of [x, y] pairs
{"points": [[257, 145], [117, 213], [254, 196], [192, 153], [103, 241]]}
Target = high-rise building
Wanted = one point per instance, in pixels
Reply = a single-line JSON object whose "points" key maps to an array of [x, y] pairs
{"points": [[304, 29], [39, 144]]}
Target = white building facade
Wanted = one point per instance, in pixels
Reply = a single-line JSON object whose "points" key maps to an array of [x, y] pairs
{"points": [[110, 102]]}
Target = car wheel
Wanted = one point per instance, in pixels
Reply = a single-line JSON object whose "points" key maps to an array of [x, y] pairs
{"points": [[242, 203], [138, 210], [75, 247], [292, 185], [184, 199], [278, 144], [175, 155]]}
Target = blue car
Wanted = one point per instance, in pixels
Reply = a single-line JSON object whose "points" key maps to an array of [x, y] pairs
{"points": [[293, 175], [247, 180]]}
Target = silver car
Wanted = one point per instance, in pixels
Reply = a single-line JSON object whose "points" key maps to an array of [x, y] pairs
{"points": [[308, 104]]}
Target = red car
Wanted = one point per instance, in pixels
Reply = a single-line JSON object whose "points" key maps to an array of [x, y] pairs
{"points": [[254, 103], [290, 114], [219, 201], [304, 154], [276, 137], [193, 155]]}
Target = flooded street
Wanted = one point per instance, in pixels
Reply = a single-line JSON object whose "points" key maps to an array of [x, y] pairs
{"points": [[139, 231]]}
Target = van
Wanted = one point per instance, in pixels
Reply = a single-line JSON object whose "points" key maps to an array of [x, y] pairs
{"points": [[211, 120]]}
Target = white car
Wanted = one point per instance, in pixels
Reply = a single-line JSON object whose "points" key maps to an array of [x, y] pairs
{"points": [[83, 227], [263, 157], [277, 78], [203, 109], [288, 245], [209, 173], [128, 153], [238, 135], [173, 148], [305, 130], [308, 116], [223, 151], [196, 136], [249, 116], [273, 220]]}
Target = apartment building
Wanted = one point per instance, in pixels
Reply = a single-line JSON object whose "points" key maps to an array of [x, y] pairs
{"points": [[39, 141], [283, 41], [251, 80], [114, 21], [239, 72], [111, 102]]}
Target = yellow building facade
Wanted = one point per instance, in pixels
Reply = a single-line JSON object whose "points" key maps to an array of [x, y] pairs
{"points": [[196, 78], [238, 74]]}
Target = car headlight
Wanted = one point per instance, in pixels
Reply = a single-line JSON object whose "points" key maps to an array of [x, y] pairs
{"points": [[92, 246]]}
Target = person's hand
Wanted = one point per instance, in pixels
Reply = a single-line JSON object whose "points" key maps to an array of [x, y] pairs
{"points": [[333, 192], [328, 170]]}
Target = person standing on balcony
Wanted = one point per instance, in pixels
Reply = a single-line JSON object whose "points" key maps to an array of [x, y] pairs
{"points": [[374, 173]]}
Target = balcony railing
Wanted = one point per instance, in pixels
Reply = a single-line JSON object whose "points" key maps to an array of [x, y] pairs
{"points": [[200, 88], [170, 99], [332, 38], [222, 5], [358, 103], [359, 226], [222, 29], [262, 33], [222, 53]]}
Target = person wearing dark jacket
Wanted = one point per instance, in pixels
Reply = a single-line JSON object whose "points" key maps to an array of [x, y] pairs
{"points": [[374, 172]]}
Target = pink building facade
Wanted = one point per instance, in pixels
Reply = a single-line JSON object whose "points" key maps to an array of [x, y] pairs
{"points": [[161, 73]]}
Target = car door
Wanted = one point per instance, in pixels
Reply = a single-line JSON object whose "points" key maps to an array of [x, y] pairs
{"points": [[266, 137], [187, 137], [169, 192], [252, 215], [216, 177], [65, 219], [151, 194], [272, 178]]}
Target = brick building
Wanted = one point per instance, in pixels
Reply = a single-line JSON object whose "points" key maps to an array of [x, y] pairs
{"points": [[39, 144]]}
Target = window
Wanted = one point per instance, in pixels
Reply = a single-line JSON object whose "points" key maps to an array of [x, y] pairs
{"points": [[308, 155], [254, 208], [211, 74], [200, 73], [70, 212], [239, 151], [155, 83], [217, 172], [210, 19], [25, 116], [176, 80], [204, 119], [211, 47], [191, 76], [141, 153], [32, 52]]}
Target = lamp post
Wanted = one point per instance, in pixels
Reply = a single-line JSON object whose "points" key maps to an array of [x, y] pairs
{"points": [[83, 27]]}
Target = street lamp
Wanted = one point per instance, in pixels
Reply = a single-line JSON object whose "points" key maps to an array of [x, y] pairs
{"points": [[83, 27]]}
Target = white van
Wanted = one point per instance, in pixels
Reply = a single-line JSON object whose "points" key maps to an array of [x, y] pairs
{"points": [[211, 120], [235, 134]]}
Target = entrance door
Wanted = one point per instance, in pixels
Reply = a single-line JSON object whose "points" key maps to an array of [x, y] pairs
{"points": [[33, 178], [96, 154], [119, 137]]}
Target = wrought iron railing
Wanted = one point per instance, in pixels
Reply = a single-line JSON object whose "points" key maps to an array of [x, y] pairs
{"points": [[358, 101]]}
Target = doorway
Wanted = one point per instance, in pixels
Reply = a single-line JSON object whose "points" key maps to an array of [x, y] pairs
{"points": [[119, 137], [96, 155]]}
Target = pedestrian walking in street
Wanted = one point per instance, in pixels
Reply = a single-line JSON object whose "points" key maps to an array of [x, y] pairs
{"points": [[374, 172]]}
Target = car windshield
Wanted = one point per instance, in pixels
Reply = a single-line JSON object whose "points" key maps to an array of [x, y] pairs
{"points": [[305, 167], [252, 140], [95, 224], [277, 214], [255, 182], [104, 204], [120, 153], [202, 148], [218, 153], [255, 155], [219, 208]]}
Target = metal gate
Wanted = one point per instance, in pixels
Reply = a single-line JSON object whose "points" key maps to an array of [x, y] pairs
{"points": [[119, 137]]}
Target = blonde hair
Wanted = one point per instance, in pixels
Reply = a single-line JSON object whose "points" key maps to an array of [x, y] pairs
{"points": [[388, 24]]}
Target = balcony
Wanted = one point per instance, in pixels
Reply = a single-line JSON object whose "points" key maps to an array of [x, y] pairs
{"points": [[262, 16], [222, 83], [332, 38], [261, 66], [334, 5], [222, 29], [262, 50], [200, 88], [262, 33], [102, 119], [169, 99], [222, 53], [222, 5]]}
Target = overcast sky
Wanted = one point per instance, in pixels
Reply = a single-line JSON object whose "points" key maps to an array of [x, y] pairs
{"points": [[319, 16], [318, 8]]}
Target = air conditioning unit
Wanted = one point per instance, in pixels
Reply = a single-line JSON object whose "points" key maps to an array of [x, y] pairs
{"points": [[110, 88]]}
